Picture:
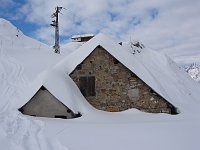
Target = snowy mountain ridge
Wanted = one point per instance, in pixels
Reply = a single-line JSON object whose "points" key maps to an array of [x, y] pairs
{"points": [[11, 36]]}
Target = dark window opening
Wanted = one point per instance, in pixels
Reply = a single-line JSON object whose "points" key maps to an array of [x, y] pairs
{"points": [[61, 116], [87, 85]]}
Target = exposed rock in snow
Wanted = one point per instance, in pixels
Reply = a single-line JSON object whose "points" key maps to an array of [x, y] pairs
{"points": [[133, 46], [194, 71]]}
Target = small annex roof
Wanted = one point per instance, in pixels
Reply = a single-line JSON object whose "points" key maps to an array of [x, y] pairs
{"points": [[59, 85], [156, 69], [82, 35]]}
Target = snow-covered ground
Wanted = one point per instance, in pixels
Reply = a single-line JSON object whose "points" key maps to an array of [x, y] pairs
{"points": [[21, 61], [23, 64]]}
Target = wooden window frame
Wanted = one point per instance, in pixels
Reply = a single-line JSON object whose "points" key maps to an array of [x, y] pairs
{"points": [[87, 85]]}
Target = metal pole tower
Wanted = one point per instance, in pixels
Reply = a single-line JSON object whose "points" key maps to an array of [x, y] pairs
{"points": [[56, 26]]}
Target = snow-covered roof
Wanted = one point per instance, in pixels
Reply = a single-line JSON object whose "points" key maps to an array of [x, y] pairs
{"points": [[82, 35], [156, 69]]}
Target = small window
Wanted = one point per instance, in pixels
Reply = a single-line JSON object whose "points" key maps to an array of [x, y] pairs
{"points": [[87, 85]]}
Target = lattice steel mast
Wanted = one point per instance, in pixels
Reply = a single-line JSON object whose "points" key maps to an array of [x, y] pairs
{"points": [[56, 26]]}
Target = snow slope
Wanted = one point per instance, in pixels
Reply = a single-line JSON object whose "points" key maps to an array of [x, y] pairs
{"points": [[26, 64], [127, 131], [21, 61], [184, 54], [69, 47]]}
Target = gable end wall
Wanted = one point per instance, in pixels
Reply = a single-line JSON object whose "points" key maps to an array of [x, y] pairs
{"points": [[116, 87]]}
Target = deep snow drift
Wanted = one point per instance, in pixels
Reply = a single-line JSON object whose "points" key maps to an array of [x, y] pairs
{"points": [[21, 61], [26, 64]]}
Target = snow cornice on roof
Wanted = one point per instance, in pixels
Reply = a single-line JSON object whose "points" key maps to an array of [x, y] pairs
{"points": [[82, 35]]}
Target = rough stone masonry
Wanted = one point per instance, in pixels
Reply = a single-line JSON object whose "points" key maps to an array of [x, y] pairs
{"points": [[108, 85]]}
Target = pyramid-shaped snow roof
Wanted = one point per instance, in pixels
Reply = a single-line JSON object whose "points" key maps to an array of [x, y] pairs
{"points": [[156, 69]]}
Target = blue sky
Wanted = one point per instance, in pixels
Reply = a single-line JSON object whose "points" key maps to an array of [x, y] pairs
{"points": [[10, 10], [168, 25]]}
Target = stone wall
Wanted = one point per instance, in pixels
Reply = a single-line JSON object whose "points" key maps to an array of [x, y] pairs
{"points": [[116, 87]]}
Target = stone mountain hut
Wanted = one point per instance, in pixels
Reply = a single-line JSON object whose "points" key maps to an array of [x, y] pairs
{"points": [[104, 75], [109, 85]]}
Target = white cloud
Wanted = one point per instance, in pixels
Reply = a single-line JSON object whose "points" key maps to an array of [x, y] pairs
{"points": [[165, 25], [45, 33]]}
